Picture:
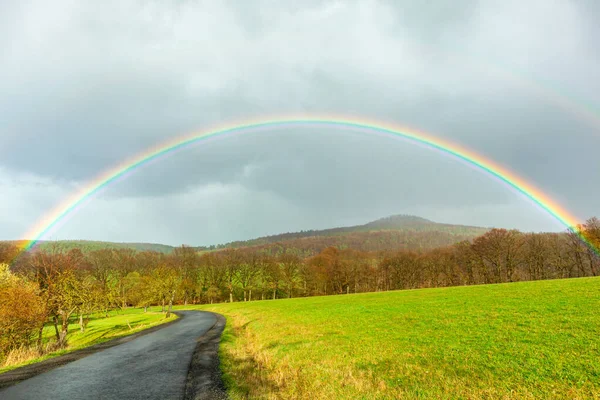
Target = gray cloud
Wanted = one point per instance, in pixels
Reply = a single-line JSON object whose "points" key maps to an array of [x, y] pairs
{"points": [[86, 86]]}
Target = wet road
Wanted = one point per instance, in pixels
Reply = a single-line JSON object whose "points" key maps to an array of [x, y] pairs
{"points": [[153, 366]]}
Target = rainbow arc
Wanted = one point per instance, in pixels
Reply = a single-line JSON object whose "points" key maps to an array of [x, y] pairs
{"points": [[52, 220]]}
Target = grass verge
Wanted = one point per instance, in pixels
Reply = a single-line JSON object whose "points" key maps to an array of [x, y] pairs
{"points": [[524, 340], [100, 329]]}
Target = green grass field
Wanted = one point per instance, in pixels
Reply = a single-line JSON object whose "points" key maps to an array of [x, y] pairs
{"points": [[520, 340], [99, 329]]}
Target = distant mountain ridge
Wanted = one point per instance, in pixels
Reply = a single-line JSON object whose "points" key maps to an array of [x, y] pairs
{"points": [[91, 245], [407, 232], [401, 222]]}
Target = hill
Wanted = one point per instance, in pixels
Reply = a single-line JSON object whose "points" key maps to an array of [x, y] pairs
{"points": [[371, 241], [539, 342], [91, 245], [398, 232]]}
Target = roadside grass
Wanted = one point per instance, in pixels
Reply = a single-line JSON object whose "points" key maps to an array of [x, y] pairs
{"points": [[99, 329], [526, 340]]}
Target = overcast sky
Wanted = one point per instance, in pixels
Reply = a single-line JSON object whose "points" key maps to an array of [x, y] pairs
{"points": [[85, 85]]}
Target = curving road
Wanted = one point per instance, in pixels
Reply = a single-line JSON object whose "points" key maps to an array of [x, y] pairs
{"points": [[153, 366]]}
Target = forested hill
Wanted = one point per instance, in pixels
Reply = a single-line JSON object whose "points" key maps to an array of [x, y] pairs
{"points": [[91, 245], [411, 222], [394, 232], [371, 241], [398, 232]]}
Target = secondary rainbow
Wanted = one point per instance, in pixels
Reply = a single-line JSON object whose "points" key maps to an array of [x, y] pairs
{"points": [[47, 224]]}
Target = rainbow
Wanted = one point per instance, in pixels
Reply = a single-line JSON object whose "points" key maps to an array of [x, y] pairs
{"points": [[544, 89], [54, 218], [551, 95]]}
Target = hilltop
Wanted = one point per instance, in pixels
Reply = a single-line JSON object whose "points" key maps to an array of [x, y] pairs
{"points": [[407, 232], [407, 223]]}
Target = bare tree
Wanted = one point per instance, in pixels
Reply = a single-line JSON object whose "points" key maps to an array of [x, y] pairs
{"points": [[290, 268]]}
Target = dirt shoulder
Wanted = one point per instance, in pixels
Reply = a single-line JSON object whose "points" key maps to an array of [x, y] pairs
{"points": [[204, 381]]}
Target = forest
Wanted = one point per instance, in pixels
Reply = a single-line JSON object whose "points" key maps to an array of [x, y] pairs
{"points": [[53, 286]]}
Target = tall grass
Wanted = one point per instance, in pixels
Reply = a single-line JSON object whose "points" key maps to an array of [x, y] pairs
{"points": [[529, 340]]}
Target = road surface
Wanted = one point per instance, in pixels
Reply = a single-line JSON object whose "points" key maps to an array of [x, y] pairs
{"points": [[153, 366]]}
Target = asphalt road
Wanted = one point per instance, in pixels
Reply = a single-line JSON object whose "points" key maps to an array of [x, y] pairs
{"points": [[153, 366]]}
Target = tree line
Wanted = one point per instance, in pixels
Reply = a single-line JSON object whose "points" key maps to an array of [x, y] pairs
{"points": [[55, 287]]}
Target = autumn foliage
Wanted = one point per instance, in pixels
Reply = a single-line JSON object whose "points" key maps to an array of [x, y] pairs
{"points": [[22, 311], [55, 287]]}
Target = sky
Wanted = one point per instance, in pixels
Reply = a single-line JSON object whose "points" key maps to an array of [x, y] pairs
{"points": [[85, 86]]}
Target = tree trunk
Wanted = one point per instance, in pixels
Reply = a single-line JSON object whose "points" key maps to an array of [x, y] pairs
{"points": [[39, 339], [250, 295], [55, 320], [231, 296], [245, 299], [81, 326], [170, 304], [163, 305], [62, 341], [274, 293], [592, 260]]}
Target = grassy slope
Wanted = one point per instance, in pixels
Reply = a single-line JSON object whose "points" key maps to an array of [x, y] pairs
{"points": [[100, 329], [520, 340]]}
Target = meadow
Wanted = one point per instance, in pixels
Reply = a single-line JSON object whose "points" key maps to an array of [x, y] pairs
{"points": [[525, 340], [100, 328]]}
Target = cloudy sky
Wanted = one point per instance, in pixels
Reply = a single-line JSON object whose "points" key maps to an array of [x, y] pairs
{"points": [[87, 85]]}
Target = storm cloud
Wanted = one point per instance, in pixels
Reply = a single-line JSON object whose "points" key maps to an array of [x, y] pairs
{"points": [[87, 85]]}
